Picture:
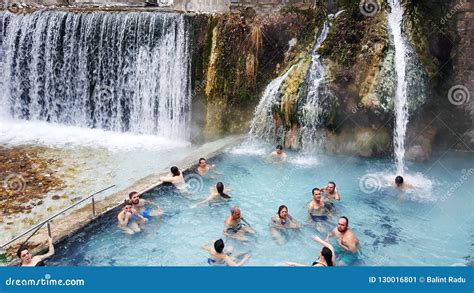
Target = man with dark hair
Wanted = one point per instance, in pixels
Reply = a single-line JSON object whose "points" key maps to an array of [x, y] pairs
{"points": [[278, 155], [203, 167], [345, 237], [36, 261], [330, 191], [139, 210], [125, 217], [400, 183], [219, 257]]}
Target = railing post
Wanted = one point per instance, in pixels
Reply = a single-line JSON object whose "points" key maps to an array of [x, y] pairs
{"points": [[93, 206], [49, 229]]}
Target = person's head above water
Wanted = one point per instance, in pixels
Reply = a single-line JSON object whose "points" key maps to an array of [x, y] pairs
{"points": [[279, 149], [326, 253], [399, 180], [127, 205], [23, 254], [134, 197], [283, 212], [175, 171], [342, 224], [220, 190], [219, 246], [235, 213], [331, 187], [316, 194], [202, 162]]}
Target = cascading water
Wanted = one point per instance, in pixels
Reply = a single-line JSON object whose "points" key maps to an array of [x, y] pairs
{"points": [[313, 111], [395, 18], [126, 72], [263, 124]]}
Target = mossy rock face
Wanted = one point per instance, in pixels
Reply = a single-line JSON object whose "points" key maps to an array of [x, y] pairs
{"points": [[246, 52]]}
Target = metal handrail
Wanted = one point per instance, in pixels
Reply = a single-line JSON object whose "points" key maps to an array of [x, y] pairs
{"points": [[37, 226]]}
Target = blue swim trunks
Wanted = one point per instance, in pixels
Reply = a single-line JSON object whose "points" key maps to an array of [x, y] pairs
{"points": [[146, 214], [319, 218]]}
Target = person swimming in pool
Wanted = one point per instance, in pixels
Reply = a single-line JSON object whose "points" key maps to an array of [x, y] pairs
{"points": [[176, 178], [139, 210], [204, 168], [316, 207], [215, 194], [278, 155], [282, 221], [234, 228], [330, 191], [327, 257], [346, 239], [219, 257], [401, 184], [26, 260], [125, 219]]}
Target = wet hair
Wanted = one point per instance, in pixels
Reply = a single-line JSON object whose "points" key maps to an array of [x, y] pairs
{"points": [[327, 254], [220, 190], [332, 182], [201, 160], [132, 194], [345, 218], [280, 208], [399, 180], [175, 171], [20, 249], [219, 246], [315, 189], [232, 210], [279, 147], [127, 202]]}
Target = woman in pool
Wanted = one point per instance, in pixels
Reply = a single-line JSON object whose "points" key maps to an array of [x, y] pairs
{"points": [[125, 219], [219, 257], [282, 221], [36, 261], [176, 178], [327, 257], [215, 194]]}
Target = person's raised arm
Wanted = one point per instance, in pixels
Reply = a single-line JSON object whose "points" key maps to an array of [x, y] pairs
{"points": [[326, 244], [50, 250]]}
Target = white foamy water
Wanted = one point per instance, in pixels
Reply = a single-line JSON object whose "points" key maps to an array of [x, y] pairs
{"points": [[395, 19], [14, 133], [251, 147], [304, 161]]}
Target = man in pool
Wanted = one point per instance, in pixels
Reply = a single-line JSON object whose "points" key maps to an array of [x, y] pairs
{"points": [[203, 167], [36, 261], [234, 228], [126, 223], [139, 210], [401, 184], [218, 256], [278, 155], [316, 208], [330, 191], [346, 239]]}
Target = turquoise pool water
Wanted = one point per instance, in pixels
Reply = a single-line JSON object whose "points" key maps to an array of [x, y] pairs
{"points": [[429, 225]]}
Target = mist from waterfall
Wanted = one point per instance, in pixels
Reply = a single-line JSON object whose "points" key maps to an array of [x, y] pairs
{"points": [[395, 19], [124, 72]]}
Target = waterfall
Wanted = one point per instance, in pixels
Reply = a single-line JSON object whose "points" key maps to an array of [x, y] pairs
{"points": [[314, 110], [401, 109], [125, 72], [263, 123]]}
